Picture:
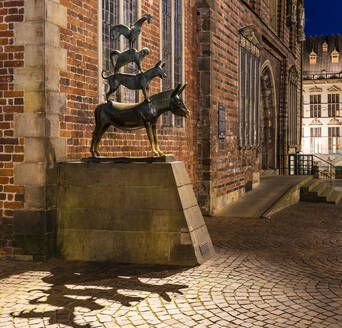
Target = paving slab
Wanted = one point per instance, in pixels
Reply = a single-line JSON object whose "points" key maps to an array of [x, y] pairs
{"points": [[260, 200]]}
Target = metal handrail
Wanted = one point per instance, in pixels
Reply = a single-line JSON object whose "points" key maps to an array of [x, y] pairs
{"points": [[331, 166], [308, 159], [325, 75]]}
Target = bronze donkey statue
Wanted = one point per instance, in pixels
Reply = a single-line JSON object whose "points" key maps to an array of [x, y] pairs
{"points": [[131, 33], [137, 116], [134, 82]]}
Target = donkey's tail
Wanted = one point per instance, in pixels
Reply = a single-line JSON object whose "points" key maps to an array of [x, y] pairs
{"points": [[112, 54], [103, 76]]}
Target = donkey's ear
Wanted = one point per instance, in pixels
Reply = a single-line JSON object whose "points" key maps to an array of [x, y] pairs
{"points": [[182, 89], [176, 90], [158, 63]]}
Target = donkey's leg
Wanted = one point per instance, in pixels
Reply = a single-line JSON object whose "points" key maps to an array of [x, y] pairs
{"points": [[146, 94], [113, 86], [95, 132], [99, 135], [155, 137], [95, 141], [150, 137]]}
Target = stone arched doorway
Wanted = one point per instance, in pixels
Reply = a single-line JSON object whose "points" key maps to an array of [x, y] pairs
{"points": [[268, 120]]}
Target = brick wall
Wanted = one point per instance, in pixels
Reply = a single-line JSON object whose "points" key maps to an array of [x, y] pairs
{"points": [[227, 167], [80, 83], [11, 102]]}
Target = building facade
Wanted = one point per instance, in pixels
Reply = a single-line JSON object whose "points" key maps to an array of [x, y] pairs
{"points": [[322, 87], [241, 60]]}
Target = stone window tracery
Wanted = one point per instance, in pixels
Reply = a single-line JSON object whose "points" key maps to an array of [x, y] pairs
{"points": [[292, 106], [172, 52], [118, 12], [249, 87]]}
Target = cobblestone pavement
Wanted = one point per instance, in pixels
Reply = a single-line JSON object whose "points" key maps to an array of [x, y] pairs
{"points": [[283, 272]]}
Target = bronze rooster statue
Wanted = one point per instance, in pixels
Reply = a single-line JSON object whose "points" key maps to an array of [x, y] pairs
{"points": [[131, 33]]}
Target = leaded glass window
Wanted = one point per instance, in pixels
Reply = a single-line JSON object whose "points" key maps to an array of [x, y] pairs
{"points": [[315, 105], [111, 16], [249, 93], [333, 104], [172, 52], [292, 107]]}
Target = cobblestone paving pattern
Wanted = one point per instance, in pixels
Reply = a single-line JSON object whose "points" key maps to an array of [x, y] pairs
{"points": [[283, 272]]}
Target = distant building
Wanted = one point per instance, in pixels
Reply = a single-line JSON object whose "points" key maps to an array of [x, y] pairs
{"points": [[322, 87]]}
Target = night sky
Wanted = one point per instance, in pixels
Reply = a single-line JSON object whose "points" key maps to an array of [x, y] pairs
{"points": [[323, 17]]}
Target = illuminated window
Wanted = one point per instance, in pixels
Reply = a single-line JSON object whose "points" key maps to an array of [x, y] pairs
{"points": [[333, 137], [315, 140], [333, 104], [315, 105], [324, 47], [335, 56], [313, 57]]}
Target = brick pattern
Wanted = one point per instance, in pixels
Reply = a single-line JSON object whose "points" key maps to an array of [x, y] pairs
{"points": [[80, 81], [11, 102]]}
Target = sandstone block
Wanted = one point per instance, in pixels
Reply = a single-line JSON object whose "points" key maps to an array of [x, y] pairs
{"points": [[56, 14], [29, 124], [30, 33], [34, 101], [30, 174]]}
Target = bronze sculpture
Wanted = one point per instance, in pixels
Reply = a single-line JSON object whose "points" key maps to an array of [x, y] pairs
{"points": [[131, 33], [128, 56], [134, 82], [137, 116]]}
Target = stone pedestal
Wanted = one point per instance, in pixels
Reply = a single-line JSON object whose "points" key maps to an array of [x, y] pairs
{"points": [[143, 213]]}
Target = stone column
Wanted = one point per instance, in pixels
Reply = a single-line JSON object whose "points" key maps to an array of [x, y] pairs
{"points": [[206, 29], [34, 226]]}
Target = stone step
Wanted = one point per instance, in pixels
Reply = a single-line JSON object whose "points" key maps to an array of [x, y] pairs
{"points": [[310, 185], [326, 193], [319, 188], [335, 197]]}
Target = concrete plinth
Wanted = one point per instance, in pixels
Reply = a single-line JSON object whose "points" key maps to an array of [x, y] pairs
{"points": [[143, 213]]}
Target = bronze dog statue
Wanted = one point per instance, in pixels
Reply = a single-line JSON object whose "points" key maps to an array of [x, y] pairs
{"points": [[134, 82], [137, 116], [128, 56], [131, 33]]}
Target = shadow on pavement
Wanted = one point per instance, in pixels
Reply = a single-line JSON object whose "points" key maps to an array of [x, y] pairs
{"points": [[71, 285]]}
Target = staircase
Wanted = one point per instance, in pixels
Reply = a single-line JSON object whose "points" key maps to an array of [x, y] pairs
{"points": [[317, 190]]}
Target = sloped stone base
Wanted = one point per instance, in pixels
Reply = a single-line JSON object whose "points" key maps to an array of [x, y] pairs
{"points": [[143, 213]]}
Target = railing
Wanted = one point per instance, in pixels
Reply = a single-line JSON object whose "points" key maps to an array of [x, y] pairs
{"points": [[309, 164], [322, 76]]}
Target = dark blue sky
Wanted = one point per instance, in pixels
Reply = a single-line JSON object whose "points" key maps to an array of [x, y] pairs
{"points": [[323, 17]]}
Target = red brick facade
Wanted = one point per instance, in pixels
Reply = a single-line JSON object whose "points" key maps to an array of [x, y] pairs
{"points": [[11, 102], [220, 169]]}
